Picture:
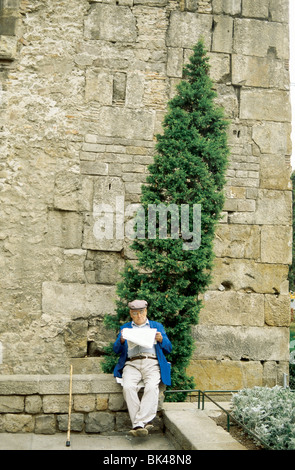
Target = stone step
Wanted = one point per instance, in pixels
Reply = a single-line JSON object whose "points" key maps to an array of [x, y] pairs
{"points": [[190, 428]]}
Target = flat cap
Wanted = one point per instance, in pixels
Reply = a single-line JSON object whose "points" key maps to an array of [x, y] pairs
{"points": [[137, 304]]}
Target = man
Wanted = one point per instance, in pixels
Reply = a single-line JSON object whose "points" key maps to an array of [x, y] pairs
{"points": [[142, 364]]}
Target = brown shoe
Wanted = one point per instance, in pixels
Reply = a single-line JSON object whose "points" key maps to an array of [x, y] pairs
{"points": [[149, 426], [139, 432]]}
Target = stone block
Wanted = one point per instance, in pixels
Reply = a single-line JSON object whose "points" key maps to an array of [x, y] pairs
{"points": [[272, 138], [102, 232], [152, 3], [55, 403], [104, 227], [7, 25], [72, 268], [11, 404], [65, 229], [254, 37], [186, 28], [126, 123], [86, 193], [232, 308], [227, 99], [228, 7], [264, 72], [240, 343], [225, 374], [19, 384], [222, 34], [274, 207], [66, 191], [94, 168], [87, 365], [106, 267], [106, 191], [77, 422], [249, 276], [75, 338], [276, 244], [93, 147], [18, 423], [119, 87], [277, 310], [99, 422], [9, 5], [275, 174], [134, 89], [151, 26], [117, 402], [111, 23], [254, 9], [242, 241], [2, 423], [85, 403], [219, 66], [33, 404], [8, 47], [155, 93], [58, 384], [45, 424], [282, 371], [265, 105], [104, 383], [175, 61], [279, 10], [99, 87], [102, 402], [77, 300], [123, 422], [270, 375]]}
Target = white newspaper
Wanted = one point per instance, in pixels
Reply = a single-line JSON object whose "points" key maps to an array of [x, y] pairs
{"points": [[140, 337]]}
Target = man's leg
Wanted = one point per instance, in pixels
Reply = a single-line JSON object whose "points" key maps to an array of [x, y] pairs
{"points": [[151, 376], [131, 378]]}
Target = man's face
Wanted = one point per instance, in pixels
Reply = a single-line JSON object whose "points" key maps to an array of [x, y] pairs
{"points": [[139, 316]]}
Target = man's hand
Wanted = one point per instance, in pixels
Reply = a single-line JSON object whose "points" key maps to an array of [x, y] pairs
{"points": [[122, 340], [159, 337]]}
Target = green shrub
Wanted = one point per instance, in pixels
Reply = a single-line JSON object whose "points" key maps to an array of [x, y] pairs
{"points": [[292, 376], [189, 169], [269, 413]]}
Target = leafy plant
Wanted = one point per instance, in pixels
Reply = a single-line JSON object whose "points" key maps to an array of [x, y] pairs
{"points": [[189, 169], [292, 376], [269, 413]]}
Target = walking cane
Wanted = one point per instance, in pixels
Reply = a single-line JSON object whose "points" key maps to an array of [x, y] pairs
{"points": [[68, 443]]}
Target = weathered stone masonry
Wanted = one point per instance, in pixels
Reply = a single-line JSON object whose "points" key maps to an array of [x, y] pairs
{"points": [[40, 404], [84, 89]]}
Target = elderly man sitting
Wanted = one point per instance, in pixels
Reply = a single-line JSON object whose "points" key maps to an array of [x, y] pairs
{"points": [[142, 363]]}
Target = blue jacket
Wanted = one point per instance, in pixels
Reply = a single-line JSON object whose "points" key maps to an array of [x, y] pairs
{"points": [[161, 348]]}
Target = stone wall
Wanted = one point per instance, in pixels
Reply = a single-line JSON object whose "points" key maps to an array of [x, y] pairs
{"points": [[83, 92], [40, 404]]}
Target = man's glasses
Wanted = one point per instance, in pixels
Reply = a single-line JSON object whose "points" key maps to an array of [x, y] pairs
{"points": [[134, 314]]}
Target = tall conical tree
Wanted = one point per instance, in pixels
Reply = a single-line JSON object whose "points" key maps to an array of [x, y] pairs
{"points": [[291, 276], [189, 169]]}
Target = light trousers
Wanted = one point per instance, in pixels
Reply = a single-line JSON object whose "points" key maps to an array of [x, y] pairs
{"points": [[146, 371]]}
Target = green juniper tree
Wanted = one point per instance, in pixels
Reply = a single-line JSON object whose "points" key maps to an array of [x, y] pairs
{"points": [[189, 169], [291, 276]]}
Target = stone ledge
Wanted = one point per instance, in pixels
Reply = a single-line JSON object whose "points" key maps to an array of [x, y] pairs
{"points": [[40, 404], [191, 429], [57, 384]]}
